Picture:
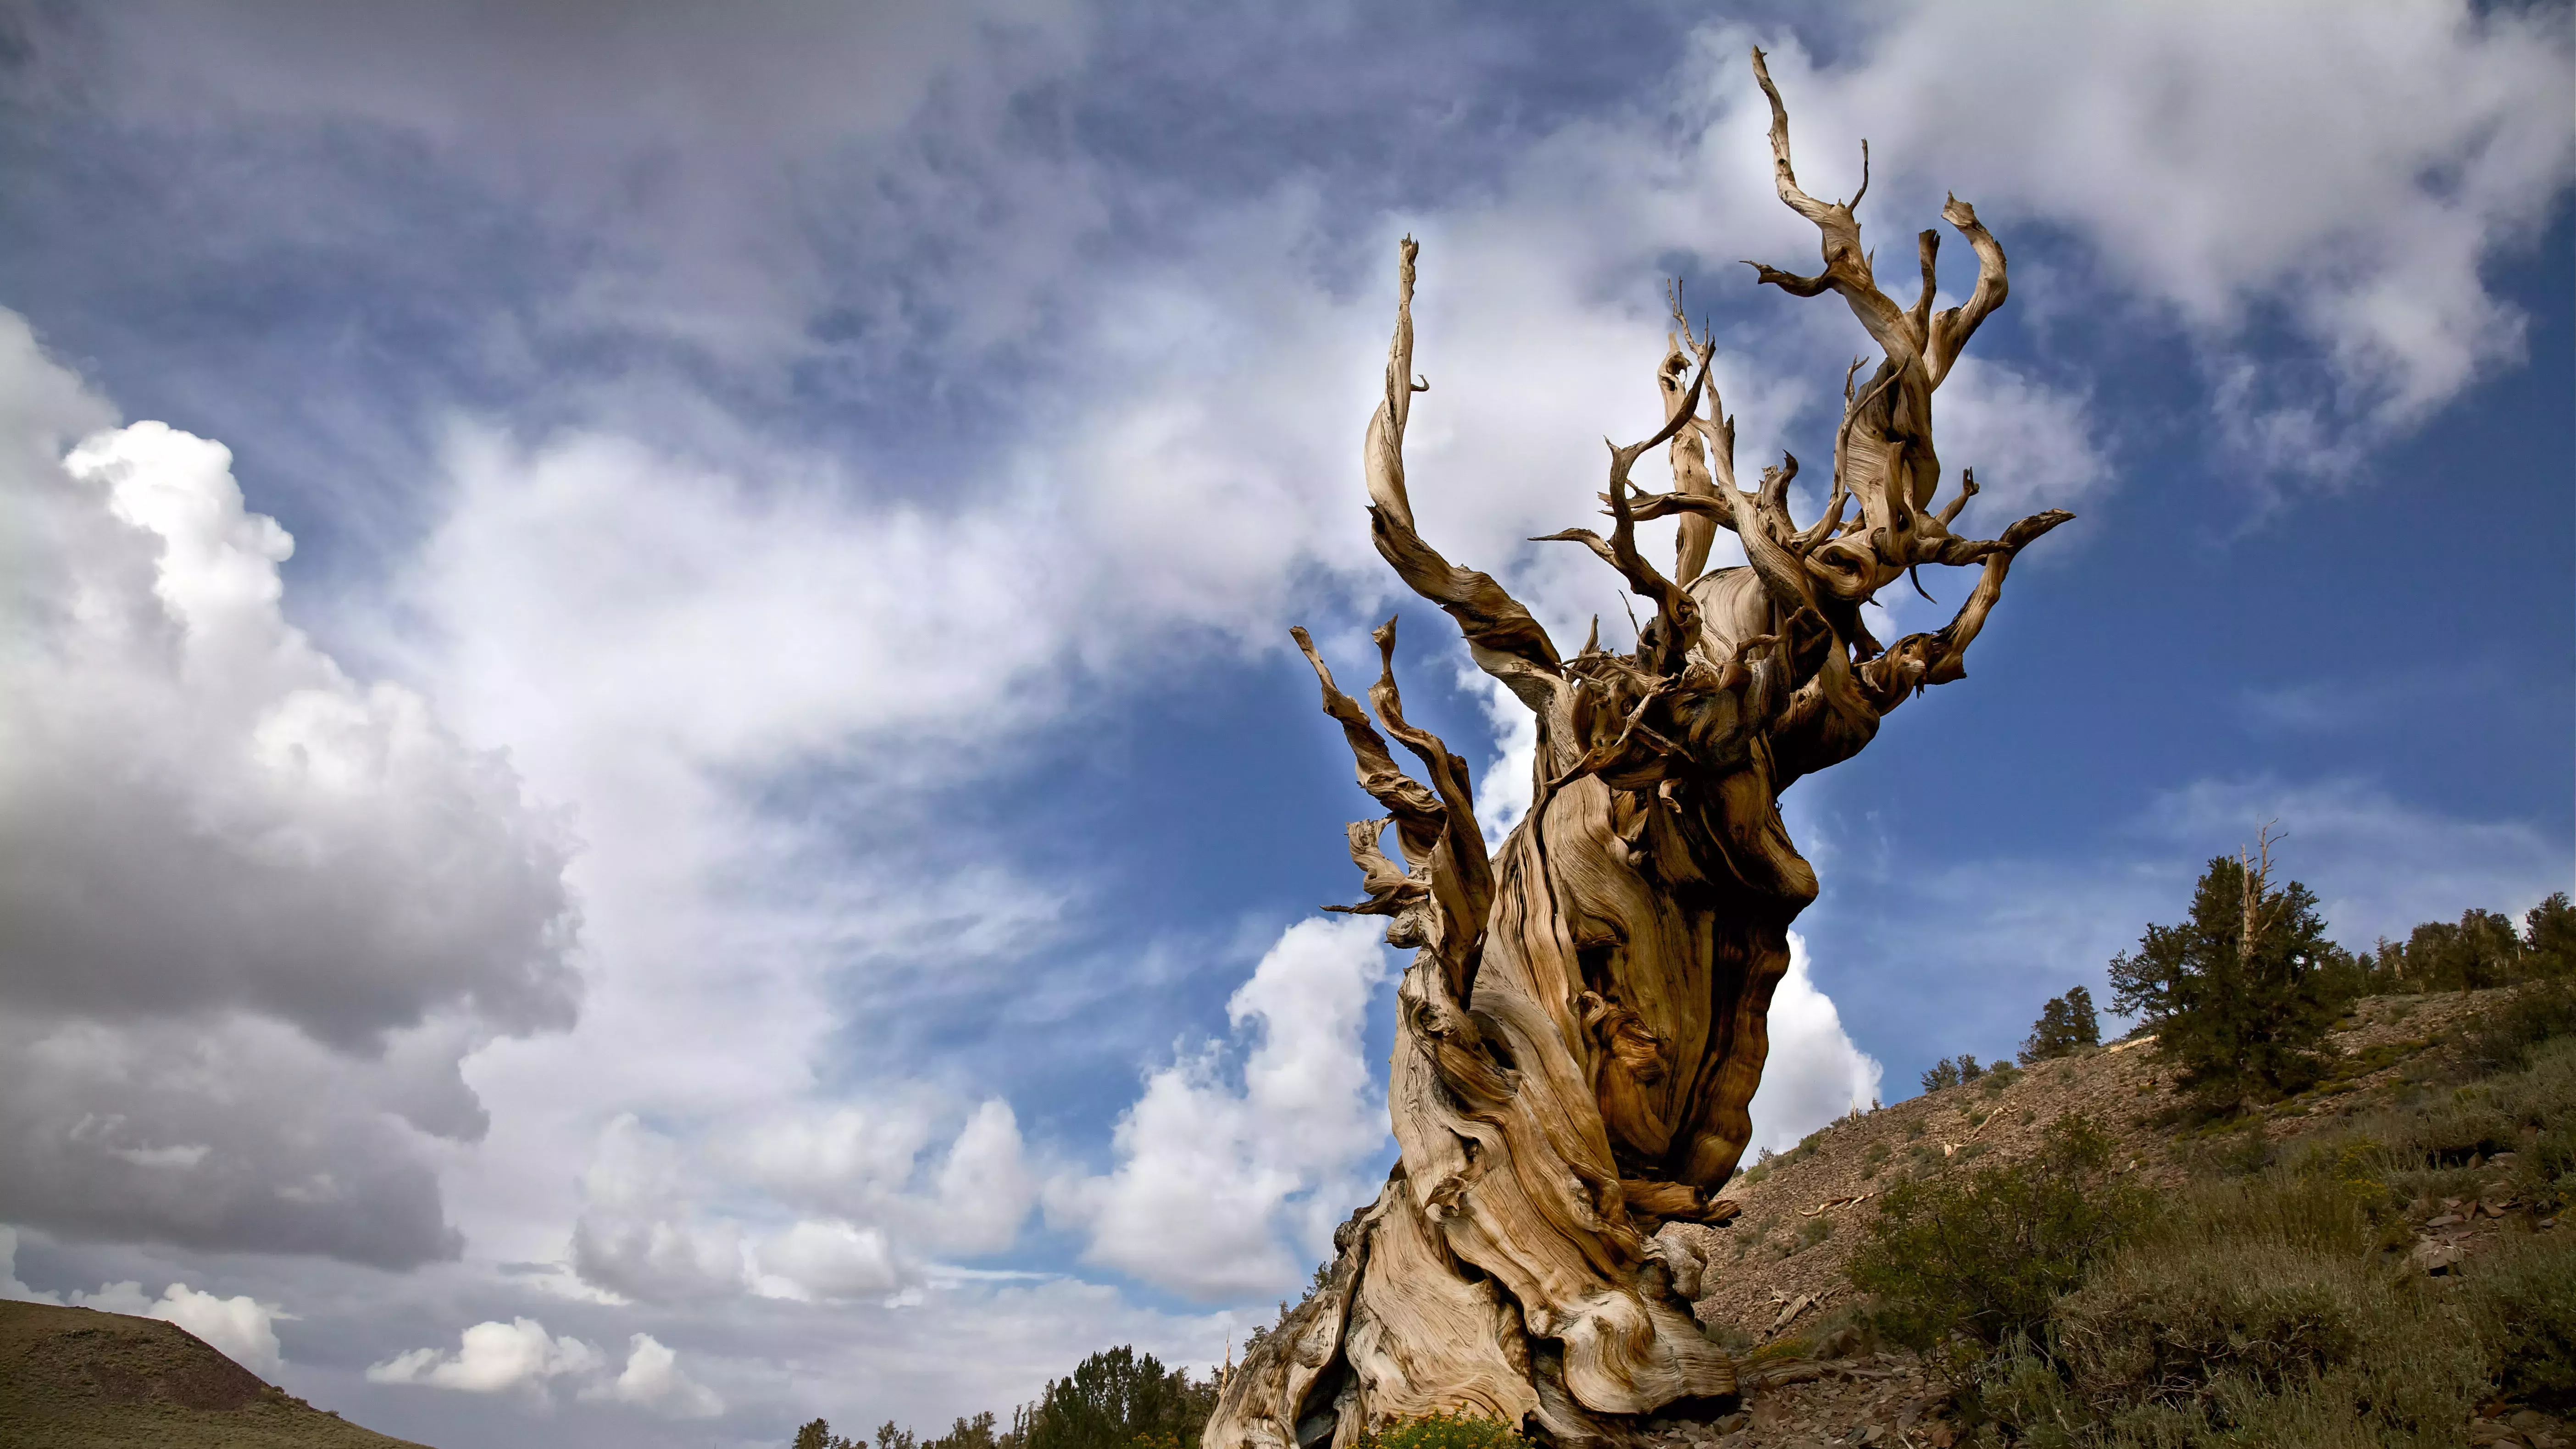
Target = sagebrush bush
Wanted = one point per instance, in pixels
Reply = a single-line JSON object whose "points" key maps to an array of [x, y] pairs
{"points": [[2270, 1300], [2502, 1037], [2209, 1325], [2546, 1175], [2252, 1313], [2440, 1145], [2523, 1293], [1460, 1429], [1962, 1264]]}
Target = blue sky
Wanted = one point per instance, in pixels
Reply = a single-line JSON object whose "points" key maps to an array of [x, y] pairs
{"points": [[756, 854]]}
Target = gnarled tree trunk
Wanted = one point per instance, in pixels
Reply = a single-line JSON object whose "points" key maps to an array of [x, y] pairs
{"points": [[1583, 1024]]}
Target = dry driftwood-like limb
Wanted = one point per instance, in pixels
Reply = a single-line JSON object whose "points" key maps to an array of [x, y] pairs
{"points": [[1505, 641], [1584, 1022]]}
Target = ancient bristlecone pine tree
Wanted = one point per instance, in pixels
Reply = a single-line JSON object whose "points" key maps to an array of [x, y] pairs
{"points": [[1583, 1023]]}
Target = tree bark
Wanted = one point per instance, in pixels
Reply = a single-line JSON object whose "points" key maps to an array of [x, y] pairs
{"points": [[1583, 1025]]}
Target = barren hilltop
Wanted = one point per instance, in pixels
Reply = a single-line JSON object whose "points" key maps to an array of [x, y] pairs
{"points": [[76, 1378]]}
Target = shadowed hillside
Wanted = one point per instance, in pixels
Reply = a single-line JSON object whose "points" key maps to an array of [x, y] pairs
{"points": [[73, 1378]]}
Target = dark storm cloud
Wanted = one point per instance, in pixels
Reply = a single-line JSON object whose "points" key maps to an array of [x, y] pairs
{"points": [[235, 1134]]}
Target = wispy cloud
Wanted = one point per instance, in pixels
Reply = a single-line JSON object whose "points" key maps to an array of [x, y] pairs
{"points": [[775, 433]]}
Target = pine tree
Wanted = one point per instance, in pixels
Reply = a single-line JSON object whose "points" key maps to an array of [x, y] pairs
{"points": [[975, 1433], [2065, 1024], [2240, 995], [2549, 938], [2481, 951], [1118, 1397], [1948, 1072]]}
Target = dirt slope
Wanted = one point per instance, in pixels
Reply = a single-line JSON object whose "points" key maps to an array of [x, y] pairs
{"points": [[74, 1378], [1801, 1217], [1771, 1279]]}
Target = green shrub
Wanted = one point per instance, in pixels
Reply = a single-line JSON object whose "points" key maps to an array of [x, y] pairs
{"points": [[1961, 1265], [2257, 1315], [2254, 1313], [1461, 1429], [2524, 1294], [2234, 1154], [2165, 1325], [2545, 1174], [2502, 1037]]}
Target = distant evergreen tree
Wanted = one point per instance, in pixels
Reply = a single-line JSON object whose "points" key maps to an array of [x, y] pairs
{"points": [[2065, 1024], [2483, 950], [1118, 1396], [1949, 1072], [2384, 969], [2549, 938], [1115, 1399], [974, 1433], [2240, 995]]}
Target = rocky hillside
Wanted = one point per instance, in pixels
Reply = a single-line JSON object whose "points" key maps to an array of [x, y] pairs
{"points": [[1772, 1282], [74, 1378]]}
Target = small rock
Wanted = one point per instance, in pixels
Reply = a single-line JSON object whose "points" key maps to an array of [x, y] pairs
{"points": [[2435, 1257], [2446, 1220]]}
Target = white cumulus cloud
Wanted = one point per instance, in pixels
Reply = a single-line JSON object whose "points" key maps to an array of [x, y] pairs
{"points": [[521, 1357], [257, 910], [1220, 1190], [1815, 1073], [652, 1380], [492, 1358]]}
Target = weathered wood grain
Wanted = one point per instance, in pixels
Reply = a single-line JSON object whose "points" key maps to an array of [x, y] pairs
{"points": [[1583, 1025]]}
